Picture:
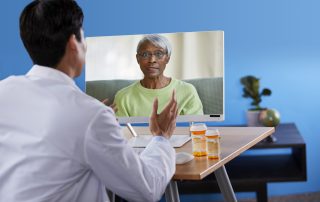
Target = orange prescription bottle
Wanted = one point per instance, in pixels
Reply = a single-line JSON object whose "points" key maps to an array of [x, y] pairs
{"points": [[198, 131], [213, 144]]}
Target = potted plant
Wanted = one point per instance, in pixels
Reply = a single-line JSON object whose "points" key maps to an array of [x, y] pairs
{"points": [[251, 89]]}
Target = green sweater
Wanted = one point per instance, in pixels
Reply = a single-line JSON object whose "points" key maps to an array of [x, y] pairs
{"points": [[136, 100]]}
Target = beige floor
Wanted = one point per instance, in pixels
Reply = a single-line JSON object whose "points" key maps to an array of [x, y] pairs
{"points": [[307, 197]]}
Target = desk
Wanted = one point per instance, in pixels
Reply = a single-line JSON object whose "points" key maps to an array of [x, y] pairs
{"points": [[234, 141], [252, 173]]}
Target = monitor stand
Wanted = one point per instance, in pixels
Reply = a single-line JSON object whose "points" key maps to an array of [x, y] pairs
{"points": [[132, 131]]}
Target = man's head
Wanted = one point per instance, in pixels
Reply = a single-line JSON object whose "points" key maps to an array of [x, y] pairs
{"points": [[153, 54], [46, 27]]}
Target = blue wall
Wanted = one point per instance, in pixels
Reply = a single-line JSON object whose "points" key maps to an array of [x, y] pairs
{"points": [[278, 41]]}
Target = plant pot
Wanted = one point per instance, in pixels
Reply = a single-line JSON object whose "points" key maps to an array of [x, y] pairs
{"points": [[253, 118]]}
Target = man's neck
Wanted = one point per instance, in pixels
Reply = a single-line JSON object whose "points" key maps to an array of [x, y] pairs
{"points": [[67, 68]]}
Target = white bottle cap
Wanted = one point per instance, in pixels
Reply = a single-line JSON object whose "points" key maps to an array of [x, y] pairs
{"points": [[198, 127], [213, 133]]}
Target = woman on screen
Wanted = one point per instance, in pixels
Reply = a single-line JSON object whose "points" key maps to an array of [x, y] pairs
{"points": [[153, 54]]}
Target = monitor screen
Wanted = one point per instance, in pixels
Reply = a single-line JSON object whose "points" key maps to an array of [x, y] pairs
{"points": [[131, 70]]}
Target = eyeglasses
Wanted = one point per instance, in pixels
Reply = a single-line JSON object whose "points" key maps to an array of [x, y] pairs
{"points": [[146, 55]]}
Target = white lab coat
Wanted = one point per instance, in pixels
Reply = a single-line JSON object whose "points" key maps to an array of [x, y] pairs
{"points": [[59, 144]]}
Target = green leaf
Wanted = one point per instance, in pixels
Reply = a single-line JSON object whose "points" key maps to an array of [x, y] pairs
{"points": [[266, 92], [251, 86]]}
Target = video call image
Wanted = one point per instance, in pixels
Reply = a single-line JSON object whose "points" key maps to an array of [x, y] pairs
{"points": [[132, 70]]}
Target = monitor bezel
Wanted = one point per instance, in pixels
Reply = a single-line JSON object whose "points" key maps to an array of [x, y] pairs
{"points": [[185, 118]]}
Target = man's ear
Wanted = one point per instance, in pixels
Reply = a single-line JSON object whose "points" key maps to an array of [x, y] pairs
{"points": [[137, 57], [72, 43]]}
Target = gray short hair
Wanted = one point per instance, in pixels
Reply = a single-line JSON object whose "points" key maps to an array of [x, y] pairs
{"points": [[156, 40]]}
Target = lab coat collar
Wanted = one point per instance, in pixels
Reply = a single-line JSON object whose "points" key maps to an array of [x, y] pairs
{"points": [[50, 73]]}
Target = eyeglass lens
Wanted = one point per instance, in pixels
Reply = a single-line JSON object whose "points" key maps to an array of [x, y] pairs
{"points": [[147, 54]]}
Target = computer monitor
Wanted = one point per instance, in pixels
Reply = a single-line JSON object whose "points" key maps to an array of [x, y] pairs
{"points": [[196, 58]]}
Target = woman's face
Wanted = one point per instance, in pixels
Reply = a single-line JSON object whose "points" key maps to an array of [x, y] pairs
{"points": [[152, 60]]}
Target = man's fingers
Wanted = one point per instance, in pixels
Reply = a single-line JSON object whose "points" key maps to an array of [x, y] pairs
{"points": [[155, 108], [172, 100], [155, 126], [173, 97], [114, 107], [171, 117], [175, 110], [105, 101], [167, 118]]}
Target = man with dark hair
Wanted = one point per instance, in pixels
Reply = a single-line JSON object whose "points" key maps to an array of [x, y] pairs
{"points": [[59, 144]]}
